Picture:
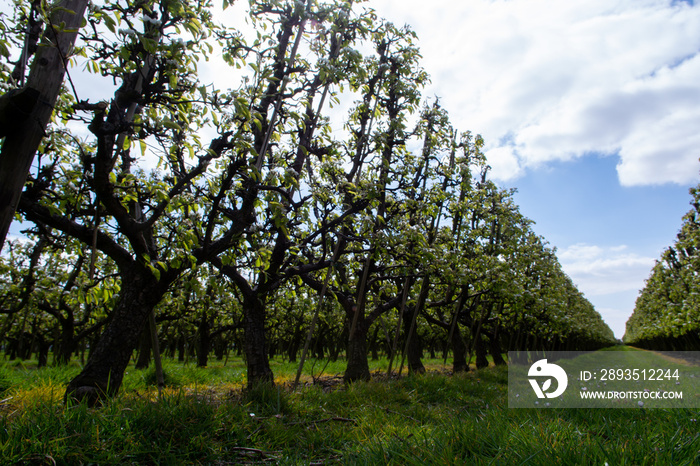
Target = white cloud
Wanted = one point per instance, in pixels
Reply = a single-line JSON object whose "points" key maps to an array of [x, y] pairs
{"points": [[543, 80], [609, 276], [600, 270], [504, 161], [668, 151]]}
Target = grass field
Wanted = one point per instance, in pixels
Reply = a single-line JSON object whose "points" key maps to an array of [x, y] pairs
{"points": [[203, 417]]}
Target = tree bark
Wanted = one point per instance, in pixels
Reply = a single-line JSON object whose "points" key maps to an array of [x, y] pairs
{"points": [[68, 343], [44, 82], [42, 351], [144, 358], [181, 343], [412, 349], [219, 347], [495, 348], [374, 344], [203, 341], [413, 345], [103, 374], [459, 349], [480, 350], [257, 362], [358, 366]]}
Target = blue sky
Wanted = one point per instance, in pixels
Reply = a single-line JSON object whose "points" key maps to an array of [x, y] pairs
{"points": [[590, 108], [607, 236]]}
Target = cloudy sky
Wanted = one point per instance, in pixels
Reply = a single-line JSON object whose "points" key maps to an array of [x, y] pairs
{"points": [[590, 108]]}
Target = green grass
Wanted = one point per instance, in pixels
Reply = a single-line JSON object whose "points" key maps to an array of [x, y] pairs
{"points": [[205, 418]]}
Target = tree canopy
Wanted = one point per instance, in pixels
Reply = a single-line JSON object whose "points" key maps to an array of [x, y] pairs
{"points": [[231, 215], [667, 311]]}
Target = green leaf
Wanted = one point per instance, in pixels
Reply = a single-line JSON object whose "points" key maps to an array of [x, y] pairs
{"points": [[170, 124]]}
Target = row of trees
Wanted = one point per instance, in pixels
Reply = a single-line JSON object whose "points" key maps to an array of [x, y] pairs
{"points": [[667, 312], [268, 210]]}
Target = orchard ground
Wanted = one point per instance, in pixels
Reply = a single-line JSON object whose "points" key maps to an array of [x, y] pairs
{"points": [[204, 417]]}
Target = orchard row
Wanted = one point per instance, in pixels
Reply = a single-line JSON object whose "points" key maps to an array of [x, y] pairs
{"points": [[316, 189], [667, 312]]}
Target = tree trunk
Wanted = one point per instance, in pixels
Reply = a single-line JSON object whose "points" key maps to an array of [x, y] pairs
{"points": [[44, 82], [103, 374], [42, 351], [293, 349], [25, 347], [335, 345], [203, 342], [495, 349], [319, 349], [459, 361], [414, 352], [144, 358], [11, 349], [172, 346], [181, 343], [256, 353], [480, 351], [219, 347], [68, 344], [358, 366], [375, 344]]}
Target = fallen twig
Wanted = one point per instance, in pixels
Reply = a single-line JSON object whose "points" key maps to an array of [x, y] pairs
{"points": [[249, 450], [254, 452]]}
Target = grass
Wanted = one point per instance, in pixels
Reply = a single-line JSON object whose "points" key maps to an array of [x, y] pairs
{"points": [[204, 418]]}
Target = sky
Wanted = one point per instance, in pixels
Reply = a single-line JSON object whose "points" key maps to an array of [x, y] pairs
{"points": [[589, 108]]}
